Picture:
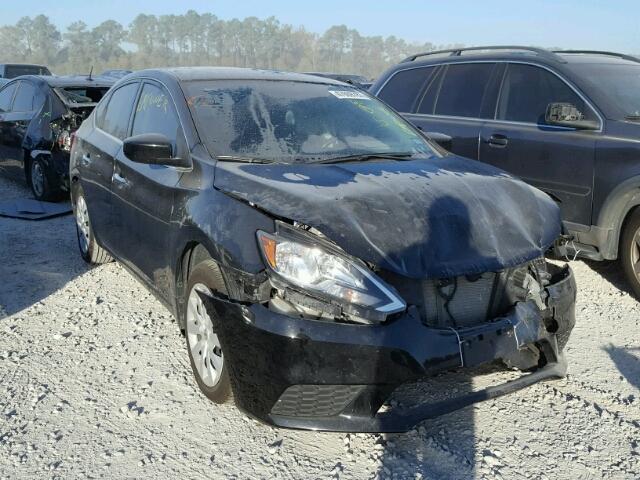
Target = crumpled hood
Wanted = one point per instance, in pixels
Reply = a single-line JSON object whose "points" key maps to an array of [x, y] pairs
{"points": [[434, 218]]}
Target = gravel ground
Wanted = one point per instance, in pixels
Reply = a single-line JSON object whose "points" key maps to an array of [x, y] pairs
{"points": [[95, 382]]}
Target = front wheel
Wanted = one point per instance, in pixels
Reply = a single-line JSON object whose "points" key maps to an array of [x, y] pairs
{"points": [[207, 360], [630, 251], [90, 251]]}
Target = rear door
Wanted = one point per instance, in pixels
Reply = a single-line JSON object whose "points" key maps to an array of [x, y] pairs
{"points": [[99, 149], [558, 160], [21, 114], [143, 194], [453, 103], [9, 144]]}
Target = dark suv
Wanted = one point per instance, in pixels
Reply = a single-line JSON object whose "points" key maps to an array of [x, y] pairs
{"points": [[316, 249], [567, 122]]}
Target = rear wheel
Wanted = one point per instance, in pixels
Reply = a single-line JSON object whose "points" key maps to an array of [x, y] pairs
{"points": [[40, 183], [90, 251], [203, 344], [630, 251]]}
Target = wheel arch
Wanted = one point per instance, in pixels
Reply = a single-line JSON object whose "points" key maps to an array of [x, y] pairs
{"points": [[615, 212], [192, 252]]}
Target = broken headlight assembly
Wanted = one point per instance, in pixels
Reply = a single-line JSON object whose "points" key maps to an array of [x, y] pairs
{"points": [[335, 285]]}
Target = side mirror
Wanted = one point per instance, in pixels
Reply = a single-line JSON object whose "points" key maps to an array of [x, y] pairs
{"points": [[152, 149], [568, 115]]}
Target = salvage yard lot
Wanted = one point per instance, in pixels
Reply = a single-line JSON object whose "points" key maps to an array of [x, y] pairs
{"points": [[95, 382]]}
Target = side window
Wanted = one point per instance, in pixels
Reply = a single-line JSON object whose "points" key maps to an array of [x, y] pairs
{"points": [[402, 89], [155, 114], [428, 100], [463, 89], [116, 115], [6, 96], [528, 90], [24, 98]]}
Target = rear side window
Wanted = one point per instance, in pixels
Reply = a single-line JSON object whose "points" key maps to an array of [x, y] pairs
{"points": [[463, 89], [24, 97], [155, 114], [402, 89], [527, 90], [6, 96], [115, 118]]}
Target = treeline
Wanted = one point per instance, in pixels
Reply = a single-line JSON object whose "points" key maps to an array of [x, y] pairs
{"points": [[199, 39]]}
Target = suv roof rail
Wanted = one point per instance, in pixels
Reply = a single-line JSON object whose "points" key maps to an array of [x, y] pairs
{"points": [[456, 52], [623, 56]]}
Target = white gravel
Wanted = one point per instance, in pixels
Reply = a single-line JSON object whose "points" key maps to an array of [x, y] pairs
{"points": [[95, 382]]}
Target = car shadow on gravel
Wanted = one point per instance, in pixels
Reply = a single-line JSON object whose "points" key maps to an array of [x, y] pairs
{"points": [[37, 258], [434, 448], [612, 272], [627, 361]]}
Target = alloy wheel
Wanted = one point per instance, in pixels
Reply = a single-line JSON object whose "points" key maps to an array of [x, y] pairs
{"points": [[204, 344], [635, 254], [37, 178], [82, 221]]}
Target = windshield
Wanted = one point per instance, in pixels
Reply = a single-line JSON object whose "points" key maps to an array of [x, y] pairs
{"points": [[619, 82], [82, 94], [287, 122], [13, 71]]}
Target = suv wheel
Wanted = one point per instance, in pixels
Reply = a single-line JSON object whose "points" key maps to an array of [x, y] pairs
{"points": [[630, 251], [90, 251], [203, 345]]}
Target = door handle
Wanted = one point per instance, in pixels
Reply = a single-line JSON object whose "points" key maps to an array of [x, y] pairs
{"points": [[497, 140], [119, 179], [86, 160]]}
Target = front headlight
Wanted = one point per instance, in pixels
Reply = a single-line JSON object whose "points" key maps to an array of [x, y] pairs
{"points": [[317, 268]]}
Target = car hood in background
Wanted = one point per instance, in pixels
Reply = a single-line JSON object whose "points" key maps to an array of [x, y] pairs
{"points": [[434, 218]]}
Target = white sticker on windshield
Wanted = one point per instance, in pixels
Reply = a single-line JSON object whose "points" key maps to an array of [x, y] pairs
{"points": [[350, 94]]}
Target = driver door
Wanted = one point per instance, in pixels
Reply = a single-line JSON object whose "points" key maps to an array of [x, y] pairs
{"points": [[143, 194]]}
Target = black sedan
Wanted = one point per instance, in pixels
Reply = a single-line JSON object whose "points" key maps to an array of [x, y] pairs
{"points": [[38, 116], [315, 248]]}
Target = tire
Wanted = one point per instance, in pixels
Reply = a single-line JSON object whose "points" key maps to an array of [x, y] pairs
{"points": [[90, 251], [207, 361], [630, 251], [40, 182]]}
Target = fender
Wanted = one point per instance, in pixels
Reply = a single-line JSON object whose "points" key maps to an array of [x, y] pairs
{"points": [[196, 221], [613, 213]]}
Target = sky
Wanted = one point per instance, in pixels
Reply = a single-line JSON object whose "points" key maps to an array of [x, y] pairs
{"points": [[585, 24]]}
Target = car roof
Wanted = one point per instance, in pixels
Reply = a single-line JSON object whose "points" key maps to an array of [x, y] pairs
{"points": [[70, 80], [516, 53], [186, 74], [24, 65]]}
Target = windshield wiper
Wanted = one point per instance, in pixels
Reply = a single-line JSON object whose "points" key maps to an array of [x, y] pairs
{"points": [[361, 157], [236, 158], [633, 118]]}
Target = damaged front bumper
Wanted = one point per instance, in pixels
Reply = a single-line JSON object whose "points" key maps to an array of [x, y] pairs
{"points": [[318, 375]]}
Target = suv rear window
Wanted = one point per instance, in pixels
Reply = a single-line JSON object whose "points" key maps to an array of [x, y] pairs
{"points": [[13, 71], [527, 90], [402, 89], [463, 89]]}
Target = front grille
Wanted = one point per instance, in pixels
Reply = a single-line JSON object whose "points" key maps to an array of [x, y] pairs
{"points": [[467, 300], [315, 400], [461, 301]]}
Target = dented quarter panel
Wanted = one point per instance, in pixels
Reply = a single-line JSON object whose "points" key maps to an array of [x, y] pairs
{"points": [[434, 218]]}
